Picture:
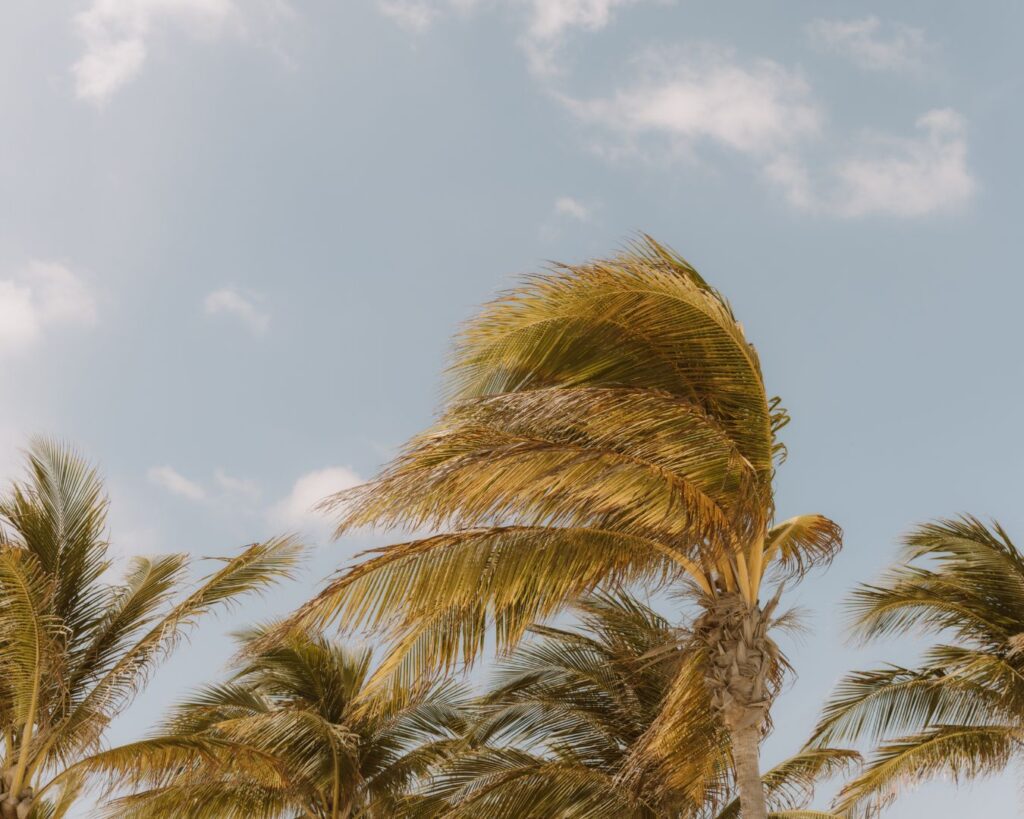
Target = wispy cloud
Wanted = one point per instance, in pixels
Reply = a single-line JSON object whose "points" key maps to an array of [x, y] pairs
{"points": [[296, 510], [545, 28], [909, 177], [116, 35], [551, 22], [413, 15], [233, 487], [707, 96], [688, 104], [44, 295], [572, 208], [224, 492], [242, 306], [872, 44], [168, 478], [887, 176]]}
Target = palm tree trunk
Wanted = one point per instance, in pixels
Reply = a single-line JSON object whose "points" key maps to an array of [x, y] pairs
{"points": [[742, 672], [746, 753]]}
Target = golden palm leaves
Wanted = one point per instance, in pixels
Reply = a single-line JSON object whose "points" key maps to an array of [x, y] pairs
{"points": [[73, 649], [960, 712], [294, 731], [607, 424]]}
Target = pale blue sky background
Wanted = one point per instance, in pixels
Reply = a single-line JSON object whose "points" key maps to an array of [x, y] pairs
{"points": [[236, 235]]}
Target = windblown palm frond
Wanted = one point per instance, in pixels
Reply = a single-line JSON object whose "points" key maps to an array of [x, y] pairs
{"points": [[960, 713], [290, 734], [74, 648], [557, 736], [608, 423]]}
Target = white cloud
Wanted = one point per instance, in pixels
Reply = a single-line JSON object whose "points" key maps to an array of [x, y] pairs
{"points": [[118, 35], [236, 487], [706, 96], [551, 21], [909, 177], [573, 208], [765, 112], [884, 175], [44, 295], [413, 15], [546, 26], [174, 482], [870, 43], [242, 306], [296, 510]]}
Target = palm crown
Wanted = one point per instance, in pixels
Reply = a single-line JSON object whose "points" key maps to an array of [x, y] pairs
{"points": [[74, 648], [608, 423], [558, 734], [959, 713], [295, 732]]}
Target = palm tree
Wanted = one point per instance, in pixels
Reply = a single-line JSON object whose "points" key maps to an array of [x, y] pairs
{"points": [[607, 424], [554, 738], [294, 733], [960, 712], [74, 649]]}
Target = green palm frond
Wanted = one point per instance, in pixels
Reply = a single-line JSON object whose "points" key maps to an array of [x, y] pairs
{"points": [[290, 734], [257, 567], [958, 752], [960, 712], [643, 318], [800, 543], [956, 574], [566, 730], [606, 424], [148, 585], [59, 515], [74, 647]]}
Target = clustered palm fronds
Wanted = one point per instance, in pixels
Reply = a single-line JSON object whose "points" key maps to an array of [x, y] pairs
{"points": [[75, 648], [608, 425], [607, 429], [294, 732], [556, 735], [960, 713]]}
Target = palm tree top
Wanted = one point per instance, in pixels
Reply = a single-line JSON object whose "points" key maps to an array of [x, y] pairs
{"points": [[959, 712]]}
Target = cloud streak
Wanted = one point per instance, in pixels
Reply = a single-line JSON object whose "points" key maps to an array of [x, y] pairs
{"points": [[231, 302], [871, 44], [169, 479], [117, 34], [704, 101], [43, 296], [707, 96]]}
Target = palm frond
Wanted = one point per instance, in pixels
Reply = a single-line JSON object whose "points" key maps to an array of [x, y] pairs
{"points": [[957, 752], [801, 543]]}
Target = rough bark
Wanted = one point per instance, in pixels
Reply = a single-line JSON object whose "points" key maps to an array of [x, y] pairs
{"points": [[14, 806], [746, 754], [743, 677]]}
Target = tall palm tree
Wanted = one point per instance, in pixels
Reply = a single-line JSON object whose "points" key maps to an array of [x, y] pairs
{"points": [[74, 648], [608, 423], [294, 733], [960, 712], [554, 738]]}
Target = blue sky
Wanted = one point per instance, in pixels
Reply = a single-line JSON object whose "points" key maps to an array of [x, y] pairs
{"points": [[235, 238]]}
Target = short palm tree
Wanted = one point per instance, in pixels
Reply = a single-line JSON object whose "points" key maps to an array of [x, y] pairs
{"points": [[74, 648], [294, 733], [960, 712], [608, 423], [555, 737]]}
